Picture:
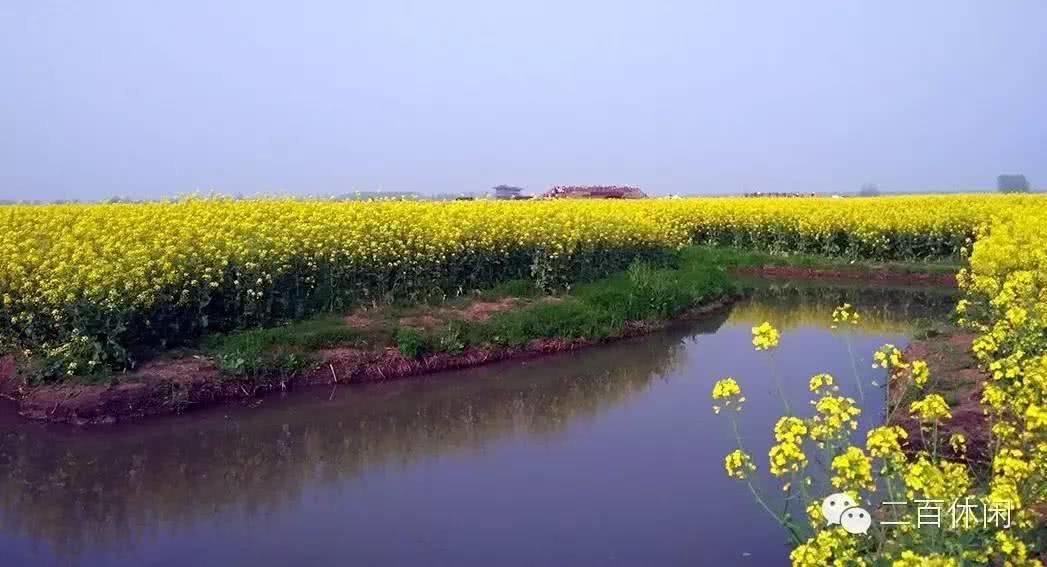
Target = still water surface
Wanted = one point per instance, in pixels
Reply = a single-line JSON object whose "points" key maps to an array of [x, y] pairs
{"points": [[611, 455]]}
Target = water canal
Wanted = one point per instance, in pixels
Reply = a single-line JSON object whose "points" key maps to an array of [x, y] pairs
{"points": [[610, 455]]}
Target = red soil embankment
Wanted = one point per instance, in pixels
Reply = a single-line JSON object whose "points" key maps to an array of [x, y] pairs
{"points": [[170, 386], [955, 375]]}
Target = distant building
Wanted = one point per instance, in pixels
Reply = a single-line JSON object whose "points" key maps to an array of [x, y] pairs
{"points": [[594, 192], [762, 194], [378, 196], [507, 192], [1012, 184]]}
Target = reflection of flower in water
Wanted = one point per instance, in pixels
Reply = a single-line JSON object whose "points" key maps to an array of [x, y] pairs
{"points": [[845, 314], [886, 310]]}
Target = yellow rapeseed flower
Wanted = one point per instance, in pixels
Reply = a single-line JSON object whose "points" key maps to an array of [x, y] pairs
{"points": [[727, 390], [738, 464], [931, 408], [765, 337], [920, 372], [852, 471]]}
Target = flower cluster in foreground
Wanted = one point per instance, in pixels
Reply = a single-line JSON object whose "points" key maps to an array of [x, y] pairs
{"points": [[924, 476]]}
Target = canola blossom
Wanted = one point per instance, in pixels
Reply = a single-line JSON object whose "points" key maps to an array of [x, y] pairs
{"points": [[85, 284], [888, 356], [916, 476], [1005, 289], [729, 392], [819, 381], [738, 464], [834, 415], [1005, 300], [931, 408], [885, 443], [765, 336], [852, 471], [920, 372]]}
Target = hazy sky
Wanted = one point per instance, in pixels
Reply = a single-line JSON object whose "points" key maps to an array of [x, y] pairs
{"points": [[151, 98]]}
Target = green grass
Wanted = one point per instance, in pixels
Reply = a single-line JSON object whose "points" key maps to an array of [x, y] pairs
{"points": [[595, 310], [411, 343], [284, 348], [322, 332], [511, 288]]}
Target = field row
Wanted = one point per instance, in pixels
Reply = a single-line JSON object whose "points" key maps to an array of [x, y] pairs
{"points": [[83, 284], [1006, 300]]}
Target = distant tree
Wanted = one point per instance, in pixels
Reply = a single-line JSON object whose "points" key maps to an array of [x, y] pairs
{"points": [[1012, 184], [869, 190], [506, 191]]}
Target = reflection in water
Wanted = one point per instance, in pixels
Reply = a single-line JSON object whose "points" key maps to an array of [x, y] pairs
{"points": [[88, 488], [792, 304], [85, 495]]}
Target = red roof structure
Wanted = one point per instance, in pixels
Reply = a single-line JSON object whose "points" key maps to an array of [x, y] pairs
{"points": [[594, 192]]}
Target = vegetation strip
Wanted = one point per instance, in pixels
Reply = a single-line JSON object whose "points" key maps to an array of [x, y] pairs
{"points": [[90, 287], [391, 342]]}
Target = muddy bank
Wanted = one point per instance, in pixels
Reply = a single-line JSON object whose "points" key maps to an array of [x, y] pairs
{"points": [[171, 386], [869, 274], [8, 386], [955, 375]]}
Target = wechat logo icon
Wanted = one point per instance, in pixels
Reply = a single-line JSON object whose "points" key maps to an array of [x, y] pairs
{"points": [[841, 509]]}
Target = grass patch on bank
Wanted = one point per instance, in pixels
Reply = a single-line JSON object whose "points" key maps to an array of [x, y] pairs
{"points": [[511, 288], [285, 348], [595, 310]]}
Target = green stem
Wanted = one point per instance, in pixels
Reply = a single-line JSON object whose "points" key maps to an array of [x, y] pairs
{"points": [[934, 437], [854, 367], [777, 373], [792, 531], [784, 523], [901, 397]]}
